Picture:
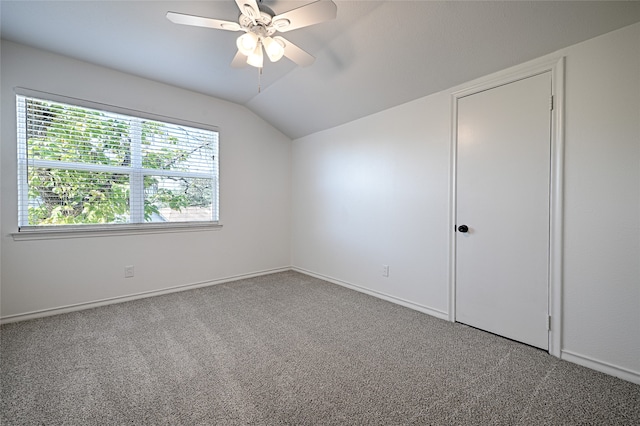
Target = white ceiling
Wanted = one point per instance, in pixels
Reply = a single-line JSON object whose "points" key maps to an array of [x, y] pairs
{"points": [[375, 55]]}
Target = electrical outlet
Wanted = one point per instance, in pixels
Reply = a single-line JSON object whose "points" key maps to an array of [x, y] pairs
{"points": [[385, 270], [128, 271]]}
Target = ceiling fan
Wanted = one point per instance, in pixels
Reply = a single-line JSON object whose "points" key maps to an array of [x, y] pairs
{"points": [[259, 24]]}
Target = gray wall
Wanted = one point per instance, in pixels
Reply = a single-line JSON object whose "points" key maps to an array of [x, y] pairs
{"points": [[375, 191], [254, 197], [344, 201]]}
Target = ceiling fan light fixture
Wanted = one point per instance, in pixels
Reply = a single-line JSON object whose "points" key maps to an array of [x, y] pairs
{"points": [[260, 25], [256, 59], [247, 43], [274, 49]]}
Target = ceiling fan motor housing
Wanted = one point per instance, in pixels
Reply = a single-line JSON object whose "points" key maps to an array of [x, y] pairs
{"points": [[262, 25]]}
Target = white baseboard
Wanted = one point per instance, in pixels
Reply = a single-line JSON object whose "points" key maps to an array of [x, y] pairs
{"points": [[119, 299], [583, 360], [397, 300], [601, 366]]}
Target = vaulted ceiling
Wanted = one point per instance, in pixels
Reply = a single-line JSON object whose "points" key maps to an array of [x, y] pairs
{"points": [[373, 56]]}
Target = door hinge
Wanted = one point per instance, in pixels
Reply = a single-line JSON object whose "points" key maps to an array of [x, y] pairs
{"points": [[551, 103], [549, 322]]}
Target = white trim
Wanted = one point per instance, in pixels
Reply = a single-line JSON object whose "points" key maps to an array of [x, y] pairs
{"points": [[601, 366], [142, 295], [135, 172], [555, 65], [556, 206], [453, 174], [396, 300], [507, 76], [30, 233]]}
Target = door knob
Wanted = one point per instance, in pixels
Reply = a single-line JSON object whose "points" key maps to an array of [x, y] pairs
{"points": [[463, 228]]}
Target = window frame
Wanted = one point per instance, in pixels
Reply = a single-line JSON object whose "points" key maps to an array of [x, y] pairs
{"points": [[29, 232]]}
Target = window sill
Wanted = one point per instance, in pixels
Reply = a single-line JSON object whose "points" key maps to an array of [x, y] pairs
{"points": [[91, 231]]}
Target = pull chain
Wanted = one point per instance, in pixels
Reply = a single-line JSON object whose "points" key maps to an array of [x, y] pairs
{"points": [[259, 80]]}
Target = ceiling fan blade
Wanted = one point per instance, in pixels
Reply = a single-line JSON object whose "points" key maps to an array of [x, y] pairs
{"points": [[199, 21], [294, 53], [310, 14], [249, 8], [239, 61]]}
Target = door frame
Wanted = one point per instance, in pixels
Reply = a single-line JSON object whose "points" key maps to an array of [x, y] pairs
{"points": [[556, 67]]}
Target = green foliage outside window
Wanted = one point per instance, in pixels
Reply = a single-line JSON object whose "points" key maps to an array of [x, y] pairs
{"points": [[67, 194]]}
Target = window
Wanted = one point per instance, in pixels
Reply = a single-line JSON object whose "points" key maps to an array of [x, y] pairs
{"points": [[80, 166]]}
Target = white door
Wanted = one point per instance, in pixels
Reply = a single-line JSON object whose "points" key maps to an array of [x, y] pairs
{"points": [[503, 172]]}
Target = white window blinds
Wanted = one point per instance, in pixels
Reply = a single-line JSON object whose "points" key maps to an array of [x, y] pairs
{"points": [[87, 166]]}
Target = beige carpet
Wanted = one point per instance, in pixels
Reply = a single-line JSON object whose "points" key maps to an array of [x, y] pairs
{"points": [[288, 349]]}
